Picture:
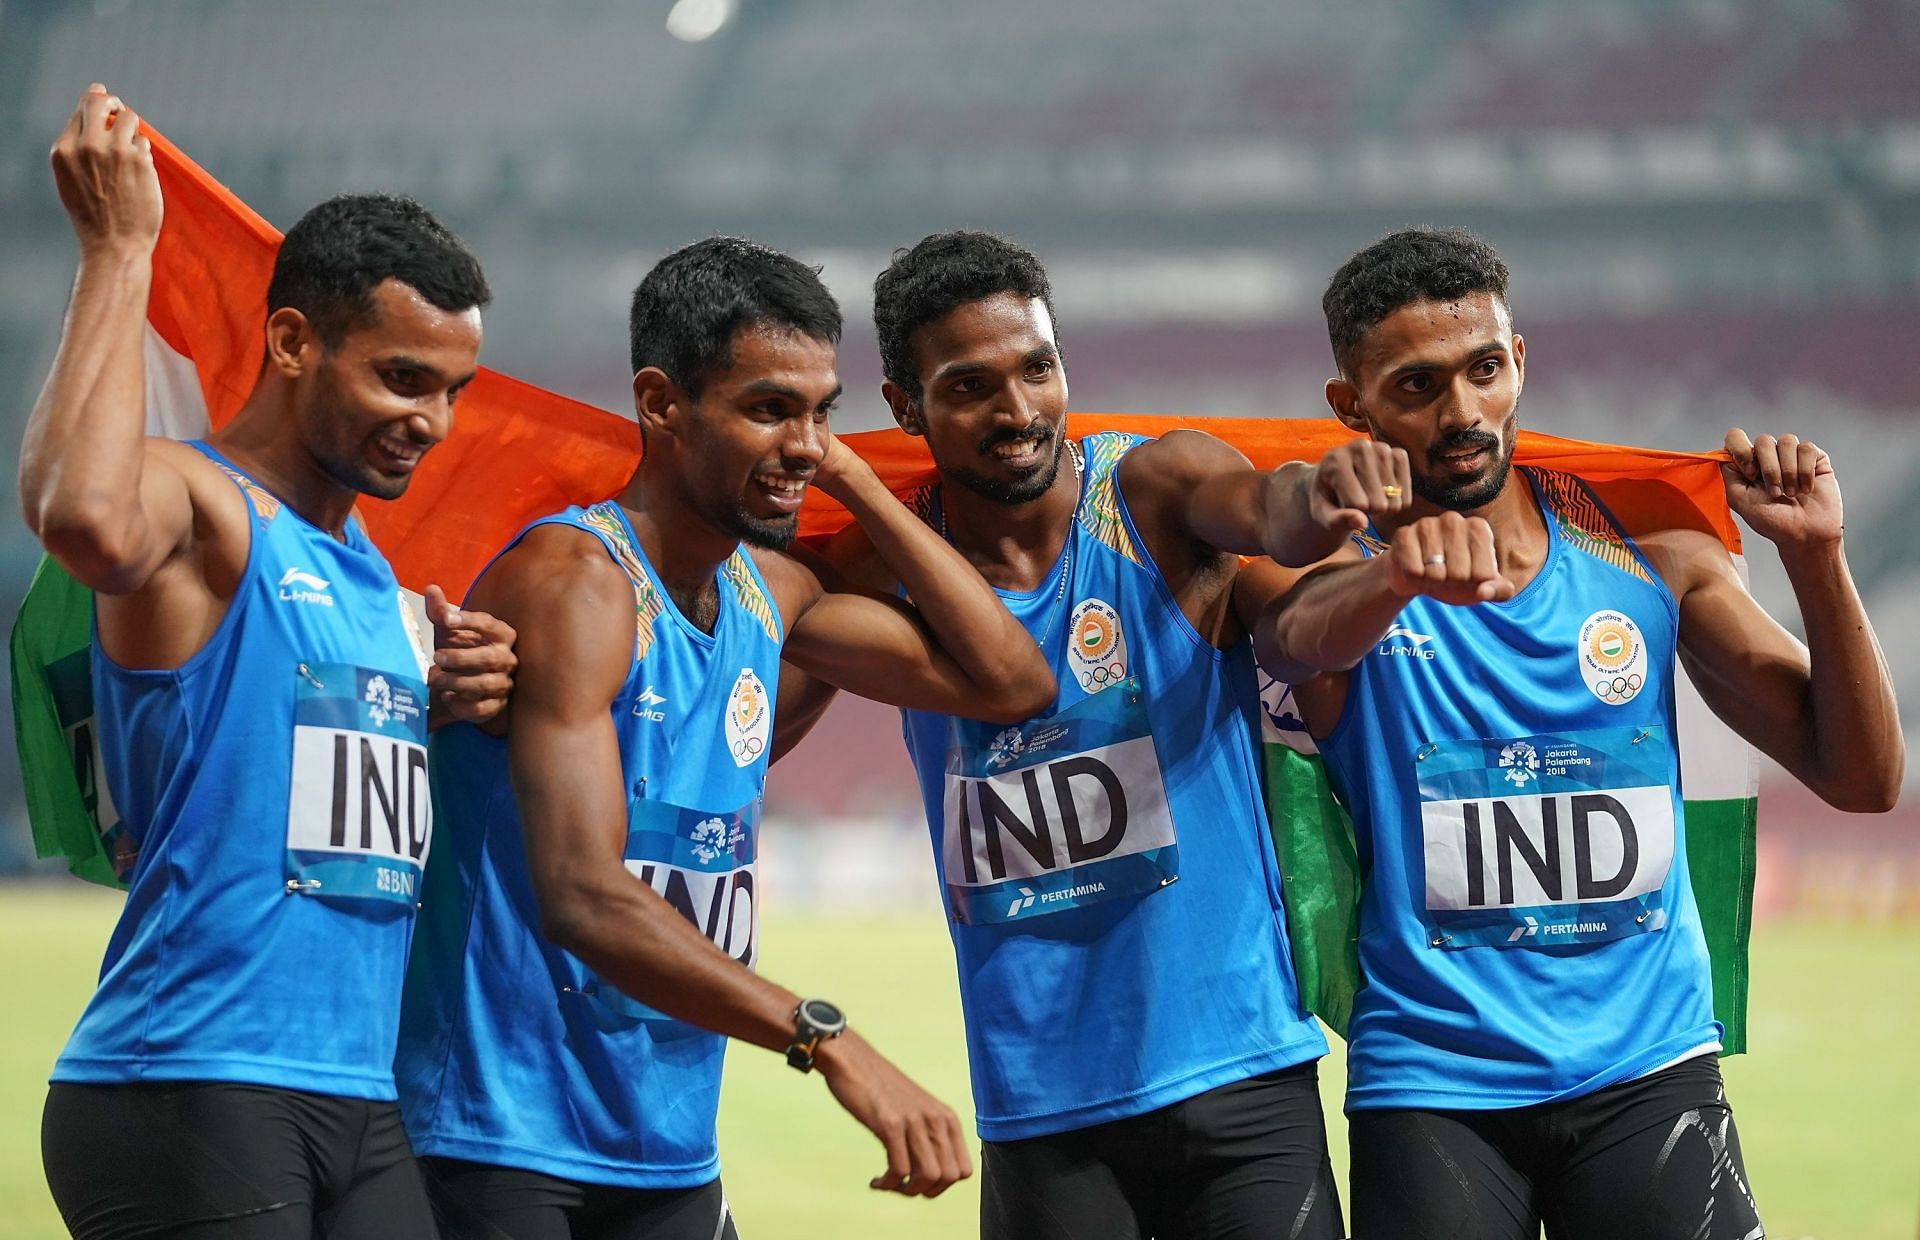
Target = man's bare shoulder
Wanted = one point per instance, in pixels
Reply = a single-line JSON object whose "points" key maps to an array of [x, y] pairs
{"points": [[554, 568], [1179, 459], [1684, 558]]}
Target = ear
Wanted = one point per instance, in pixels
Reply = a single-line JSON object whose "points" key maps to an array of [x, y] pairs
{"points": [[292, 344], [906, 410], [657, 402], [1519, 362], [1344, 399]]}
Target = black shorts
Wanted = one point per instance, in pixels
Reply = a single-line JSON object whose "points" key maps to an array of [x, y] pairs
{"points": [[1247, 1159], [195, 1160], [481, 1201], [1654, 1159]]}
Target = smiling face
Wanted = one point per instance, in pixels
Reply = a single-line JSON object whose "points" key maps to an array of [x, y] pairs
{"points": [[1442, 380], [748, 446], [371, 407], [993, 399]]}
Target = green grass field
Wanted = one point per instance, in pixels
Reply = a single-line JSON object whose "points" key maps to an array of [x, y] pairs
{"points": [[1828, 1104]]}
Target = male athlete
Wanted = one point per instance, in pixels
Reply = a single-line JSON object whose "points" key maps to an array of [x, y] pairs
{"points": [[582, 949], [1141, 1062], [1535, 1038], [263, 709]]}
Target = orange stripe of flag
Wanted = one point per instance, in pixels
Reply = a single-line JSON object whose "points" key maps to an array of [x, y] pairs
{"points": [[518, 452]]}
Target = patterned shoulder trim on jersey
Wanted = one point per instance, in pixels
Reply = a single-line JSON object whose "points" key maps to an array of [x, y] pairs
{"points": [[1586, 525], [648, 606], [1100, 514], [265, 506], [920, 502], [747, 590]]}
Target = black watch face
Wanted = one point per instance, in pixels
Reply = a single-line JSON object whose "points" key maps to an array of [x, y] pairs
{"points": [[822, 1015]]}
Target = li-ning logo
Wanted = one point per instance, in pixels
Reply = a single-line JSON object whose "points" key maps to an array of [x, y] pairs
{"points": [[299, 586], [1418, 645], [647, 704], [1521, 763], [379, 699]]}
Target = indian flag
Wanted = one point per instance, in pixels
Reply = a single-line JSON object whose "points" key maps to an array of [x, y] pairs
{"points": [[518, 452]]}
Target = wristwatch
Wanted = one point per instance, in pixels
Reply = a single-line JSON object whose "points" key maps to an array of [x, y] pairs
{"points": [[814, 1021]]}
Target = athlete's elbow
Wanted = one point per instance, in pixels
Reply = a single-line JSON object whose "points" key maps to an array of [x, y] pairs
{"points": [[1279, 654], [1872, 791], [568, 915], [571, 931], [1021, 699], [95, 544]]}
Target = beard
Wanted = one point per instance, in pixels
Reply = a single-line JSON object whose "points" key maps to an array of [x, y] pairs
{"points": [[1022, 488], [767, 533], [1471, 493], [342, 460]]}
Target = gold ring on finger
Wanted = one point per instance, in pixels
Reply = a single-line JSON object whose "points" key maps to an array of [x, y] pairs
{"points": [[1390, 491]]}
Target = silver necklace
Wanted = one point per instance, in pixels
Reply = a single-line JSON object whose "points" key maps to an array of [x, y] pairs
{"points": [[1066, 555]]}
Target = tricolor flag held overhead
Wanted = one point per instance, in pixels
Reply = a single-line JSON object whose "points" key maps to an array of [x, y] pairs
{"points": [[518, 452]]}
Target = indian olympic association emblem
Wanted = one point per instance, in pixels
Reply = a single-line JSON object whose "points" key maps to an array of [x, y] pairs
{"points": [[1613, 657], [749, 722], [1096, 648], [412, 617]]}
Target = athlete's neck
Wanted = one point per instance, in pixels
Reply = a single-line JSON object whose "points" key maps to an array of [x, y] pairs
{"points": [[684, 549], [1015, 546], [262, 442]]}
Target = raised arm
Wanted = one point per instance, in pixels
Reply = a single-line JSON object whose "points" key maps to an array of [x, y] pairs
{"points": [[1824, 710], [954, 648], [1338, 610], [1203, 489], [565, 597], [108, 507]]}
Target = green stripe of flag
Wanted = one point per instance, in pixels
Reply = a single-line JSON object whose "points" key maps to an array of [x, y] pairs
{"points": [[1320, 874]]}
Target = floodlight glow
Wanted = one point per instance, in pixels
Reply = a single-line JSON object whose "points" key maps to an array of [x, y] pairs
{"points": [[693, 21]]}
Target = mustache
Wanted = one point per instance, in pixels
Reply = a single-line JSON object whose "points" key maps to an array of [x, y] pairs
{"points": [[1032, 434], [1455, 442]]}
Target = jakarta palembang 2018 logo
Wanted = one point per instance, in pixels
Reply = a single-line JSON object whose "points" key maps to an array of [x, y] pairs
{"points": [[379, 700], [1613, 657], [1006, 747], [1521, 762]]}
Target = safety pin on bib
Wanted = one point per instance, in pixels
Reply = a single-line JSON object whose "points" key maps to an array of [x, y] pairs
{"points": [[311, 678], [300, 886]]}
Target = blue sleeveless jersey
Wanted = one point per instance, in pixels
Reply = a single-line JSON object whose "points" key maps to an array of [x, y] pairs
{"points": [[512, 1052], [275, 788], [1113, 897], [1528, 932]]}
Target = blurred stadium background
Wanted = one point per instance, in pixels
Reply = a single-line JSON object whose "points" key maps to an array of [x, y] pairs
{"points": [[1712, 210]]}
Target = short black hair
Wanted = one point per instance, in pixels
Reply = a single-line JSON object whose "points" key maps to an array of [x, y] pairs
{"points": [[935, 277], [687, 310], [1413, 264], [338, 253]]}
